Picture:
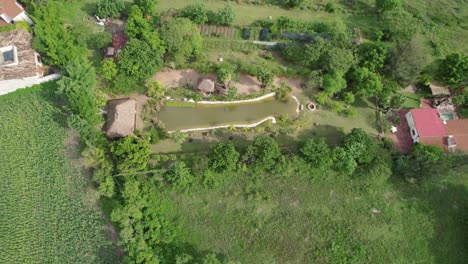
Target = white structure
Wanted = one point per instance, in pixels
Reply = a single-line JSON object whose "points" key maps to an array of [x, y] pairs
{"points": [[20, 65], [11, 11]]}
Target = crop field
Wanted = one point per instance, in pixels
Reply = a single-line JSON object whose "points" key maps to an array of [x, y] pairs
{"points": [[210, 30], [47, 209]]}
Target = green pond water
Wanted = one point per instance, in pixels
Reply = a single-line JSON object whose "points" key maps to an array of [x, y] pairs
{"points": [[202, 115]]}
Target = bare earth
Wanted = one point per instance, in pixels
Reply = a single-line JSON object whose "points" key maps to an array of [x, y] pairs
{"points": [[247, 84]]}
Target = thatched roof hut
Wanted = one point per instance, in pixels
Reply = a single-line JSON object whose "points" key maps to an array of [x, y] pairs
{"points": [[121, 118], [206, 85], [438, 89]]}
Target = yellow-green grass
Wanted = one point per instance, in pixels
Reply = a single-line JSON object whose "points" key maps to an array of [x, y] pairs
{"points": [[47, 207]]}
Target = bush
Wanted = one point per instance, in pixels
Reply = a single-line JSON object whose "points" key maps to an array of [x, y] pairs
{"points": [[179, 137], [179, 175], [107, 8], [155, 89]]}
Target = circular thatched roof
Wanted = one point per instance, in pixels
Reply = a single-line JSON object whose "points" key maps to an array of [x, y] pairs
{"points": [[206, 85]]}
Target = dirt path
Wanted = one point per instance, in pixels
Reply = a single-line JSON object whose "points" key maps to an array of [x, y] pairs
{"points": [[247, 84]]}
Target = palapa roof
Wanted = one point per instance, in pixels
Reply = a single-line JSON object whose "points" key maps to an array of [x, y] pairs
{"points": [[27, 66], [9, 9], [206, 84], [439, 89], [121, 118]]}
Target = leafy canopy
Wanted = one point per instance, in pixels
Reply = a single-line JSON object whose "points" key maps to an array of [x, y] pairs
{"points": [[366, 82], [109, 8], [263, 153], [317, 152], [224, 157], [453, 70], [77, 87], [182, 39], [131, 154]]}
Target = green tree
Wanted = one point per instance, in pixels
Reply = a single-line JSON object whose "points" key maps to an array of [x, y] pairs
{"points": [[179, 137], [333, 82], [52, 38], [372, 55], [77, 87], [406, 62], [155, 89], [131, 154], [397, 101], [263, 153], [366, 82], [453, 70], [136, 25], [399, 26], [224, 157], [337, 107], [362, 147], [337, 59], [388, 5], [179, 175], [197, 13], [109, 8], [148, 7], [343, 161], [226, 16], [265, 76], [107, 187], [317, 152], [108, 70], [224, 76], [182, 39], [139, 60], [348, 98]]}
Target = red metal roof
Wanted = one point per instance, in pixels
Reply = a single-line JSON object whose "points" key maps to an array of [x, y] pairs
{"points": [[10, 8], [119, 40], [428, 122]]}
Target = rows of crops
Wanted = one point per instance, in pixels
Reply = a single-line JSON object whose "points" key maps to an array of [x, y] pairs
{"points": [[211, 30], [44, 215], [228, 45]]}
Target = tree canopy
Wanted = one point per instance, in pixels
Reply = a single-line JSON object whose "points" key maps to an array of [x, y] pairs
{"points": [[131, 154], [148, 7], [263, 153], [224, 157], [182, 39], [77, 87], [265, 76], [109, 8], [179, 175], [138, 60], [360, 146], [52, 38], [453, 70], [372, 55], [399, 26], [317, 152], [333, 82], [366, 82]]}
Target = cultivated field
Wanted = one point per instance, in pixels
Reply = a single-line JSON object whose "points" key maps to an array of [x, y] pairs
{"points": [[47, 210]]}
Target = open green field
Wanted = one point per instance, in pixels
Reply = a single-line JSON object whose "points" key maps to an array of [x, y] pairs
{"points": [[48, 211], [295, 218]]}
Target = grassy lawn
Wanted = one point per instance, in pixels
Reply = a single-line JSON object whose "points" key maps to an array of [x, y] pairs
{"points": [[293, 218], [48, 210]]}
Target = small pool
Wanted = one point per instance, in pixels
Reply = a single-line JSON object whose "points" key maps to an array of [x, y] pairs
{"points": [[203, 115], [446, 117]]}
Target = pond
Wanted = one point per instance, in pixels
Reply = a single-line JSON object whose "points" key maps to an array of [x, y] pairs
{"points": [[210, 115]]}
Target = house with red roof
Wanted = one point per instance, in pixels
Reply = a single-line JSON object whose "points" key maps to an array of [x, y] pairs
{"points": [[11, 11], [427, 127]]}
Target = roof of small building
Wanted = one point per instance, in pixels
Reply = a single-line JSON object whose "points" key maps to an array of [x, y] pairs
{"points": [[459, 130], [438, 89], [27, 66], [206, 85], [11, 9], [428, 122], [121, 118]]}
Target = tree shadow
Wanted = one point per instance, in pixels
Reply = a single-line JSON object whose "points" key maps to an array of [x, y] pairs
{"points": [[332, 135]]}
